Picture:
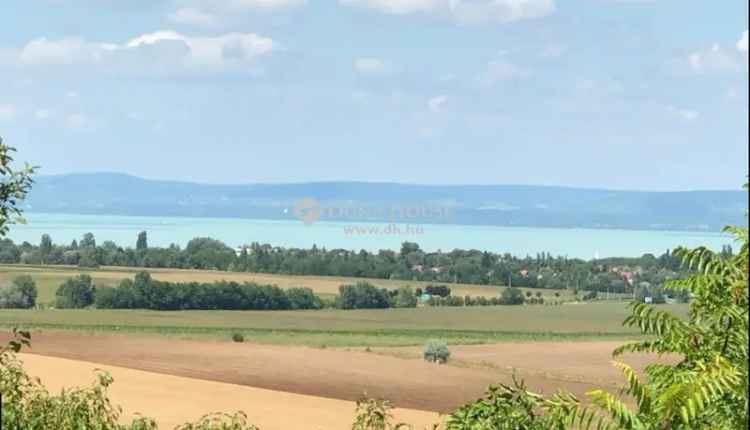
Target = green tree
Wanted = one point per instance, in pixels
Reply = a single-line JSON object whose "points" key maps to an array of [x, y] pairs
{"points": [[142, 243], [207, 253], [75, 292], [512, 296], [14, 186], [21, 293], [88, 241], [45, 248], [707, 388], [405, 298]]}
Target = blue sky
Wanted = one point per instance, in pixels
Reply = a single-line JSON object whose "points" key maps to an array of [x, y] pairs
{"points": [[603, 93]]}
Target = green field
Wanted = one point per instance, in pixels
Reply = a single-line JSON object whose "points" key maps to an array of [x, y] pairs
{"points": [[48, 278], [352, 328], [466, 325]]}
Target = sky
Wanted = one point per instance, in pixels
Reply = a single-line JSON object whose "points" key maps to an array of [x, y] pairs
{"points": [[628, 94]]}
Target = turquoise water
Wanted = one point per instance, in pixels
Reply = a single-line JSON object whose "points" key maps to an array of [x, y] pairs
{"points": [[162, 231]]}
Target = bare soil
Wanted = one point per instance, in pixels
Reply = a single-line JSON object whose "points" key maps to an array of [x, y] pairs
{"points": [[398, 374]]}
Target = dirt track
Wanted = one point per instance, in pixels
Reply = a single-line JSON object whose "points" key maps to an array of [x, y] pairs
{"points": [[172, 400], [397, 374]]}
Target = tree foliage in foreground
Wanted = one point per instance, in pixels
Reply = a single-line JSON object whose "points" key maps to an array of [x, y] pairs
{"points": [[14, 185], [707, 388]]}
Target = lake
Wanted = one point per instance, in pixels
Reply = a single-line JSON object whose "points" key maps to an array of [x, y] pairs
{"points": [[521, 241]]}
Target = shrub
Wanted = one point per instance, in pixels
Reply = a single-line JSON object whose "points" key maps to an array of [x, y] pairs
{"points": [[219, 421], [591, 295], [436, 352], [363, 295], [375, 414], [238, 337], [21, 293], [511, 296], [303, 298], [28, 405], [146, 293], [438, 290], [75, 293], [705, 389], [405, 298]]}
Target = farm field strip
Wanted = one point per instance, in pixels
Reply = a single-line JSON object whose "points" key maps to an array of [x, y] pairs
{"points": [[346, 374], [50, 277], [469, 325], [172, 400]]}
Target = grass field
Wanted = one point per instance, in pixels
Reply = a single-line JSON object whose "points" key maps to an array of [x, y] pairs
{"points": [[390, 327], [48, 278]]}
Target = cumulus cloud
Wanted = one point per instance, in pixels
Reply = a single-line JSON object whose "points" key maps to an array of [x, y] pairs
{"points": [[79, 121], [687, 115], [7, 112], [43, 114], [500, 70], [437, 103], [161, 52], [462, 11], [211, 12], [718, 59], [715, 59], [263, 4], [742, 43], [370, 66], [193, 16]]}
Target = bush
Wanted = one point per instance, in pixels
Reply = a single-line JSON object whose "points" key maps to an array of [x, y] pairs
{"points": [[591, 295], [375, 414], [27, 405], [438, 290], [75, 293], [20, 294], [238, 337], [436, 352], [303, 298], [363, 295], [146, 293], [405, 298], [512, 296]]}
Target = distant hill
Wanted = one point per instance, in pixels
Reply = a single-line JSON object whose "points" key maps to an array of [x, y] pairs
{"points": [[501, 205]]}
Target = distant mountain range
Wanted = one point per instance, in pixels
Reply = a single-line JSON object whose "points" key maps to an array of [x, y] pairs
{"points": [[500, 205]]}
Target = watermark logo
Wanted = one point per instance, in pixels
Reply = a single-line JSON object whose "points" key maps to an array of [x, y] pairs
{"points": [[308, 210]]}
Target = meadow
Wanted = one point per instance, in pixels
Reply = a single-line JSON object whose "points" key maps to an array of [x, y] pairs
{"points": [[389, 327]]}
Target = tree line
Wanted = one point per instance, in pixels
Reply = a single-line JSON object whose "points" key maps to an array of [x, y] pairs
{"points": [[611, 275]]}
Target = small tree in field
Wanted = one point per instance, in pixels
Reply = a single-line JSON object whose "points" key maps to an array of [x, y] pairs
{"points": [[436, 352]]}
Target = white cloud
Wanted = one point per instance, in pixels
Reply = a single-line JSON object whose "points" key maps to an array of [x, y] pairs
{"points": [[713, 60], [436, 104], [497, 71], [462, 11], [43, 114], [686, 115], [62, 51], [8, 112], [211, 12], [79, 121], [193, 16], [160, 52], [263, 4], [742, 43], [370, 66]]}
